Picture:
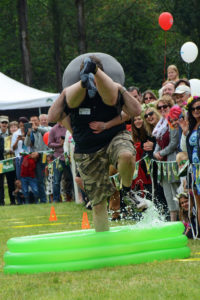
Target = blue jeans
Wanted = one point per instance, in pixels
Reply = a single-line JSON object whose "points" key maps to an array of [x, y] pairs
{"points": [[57, 174], [40, 167], [32, 182], [18, 162]]}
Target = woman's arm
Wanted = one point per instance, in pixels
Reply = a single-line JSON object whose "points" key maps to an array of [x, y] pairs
{"points": [[173, 143]]}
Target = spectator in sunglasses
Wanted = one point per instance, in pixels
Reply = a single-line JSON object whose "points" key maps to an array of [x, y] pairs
{"points": [[148, 96], [151, 117], [191, 130], [167, 141]]}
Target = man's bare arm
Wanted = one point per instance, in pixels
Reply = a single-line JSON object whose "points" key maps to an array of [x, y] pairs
{"points": [[55, 113], [131, 105], [66, 122]]}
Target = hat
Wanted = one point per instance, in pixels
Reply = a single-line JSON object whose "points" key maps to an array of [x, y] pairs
{"points": [[181, 89], [4, 119]]}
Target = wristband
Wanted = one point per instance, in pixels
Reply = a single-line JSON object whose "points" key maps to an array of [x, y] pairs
{"points": [[123, 90]]}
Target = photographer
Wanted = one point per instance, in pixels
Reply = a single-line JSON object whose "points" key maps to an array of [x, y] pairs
{"points": [[34, 139], [17, 144]]}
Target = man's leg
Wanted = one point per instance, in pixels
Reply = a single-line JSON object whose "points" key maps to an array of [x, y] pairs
{"points": [[2, 195], [94, 171], [126, 165], [122, 155], [106, 87], [57, 175], [100, 216], [10, 176], [40, 181], [25, 184], [34, 188], [75, 94]]}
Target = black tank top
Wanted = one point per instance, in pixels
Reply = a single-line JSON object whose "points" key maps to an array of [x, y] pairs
{"points": [[92, 109]]}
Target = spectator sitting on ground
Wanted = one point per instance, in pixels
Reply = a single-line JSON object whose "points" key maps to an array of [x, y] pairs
{"points": [[19, 196]]}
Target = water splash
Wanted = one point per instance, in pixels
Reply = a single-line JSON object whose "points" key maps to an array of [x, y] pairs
{"points": [[152, 216]]}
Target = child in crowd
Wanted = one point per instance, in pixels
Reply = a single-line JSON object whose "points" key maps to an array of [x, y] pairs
{"points": [[19, 196], [182, 161], [28, 177], [172, 73], [49, 177], [187, 214]]}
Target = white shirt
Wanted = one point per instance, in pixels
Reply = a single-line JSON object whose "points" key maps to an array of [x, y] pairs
{"points": [[19, 145]]}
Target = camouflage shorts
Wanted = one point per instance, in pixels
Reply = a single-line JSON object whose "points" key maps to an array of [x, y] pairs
{"points": [[94, 167]]}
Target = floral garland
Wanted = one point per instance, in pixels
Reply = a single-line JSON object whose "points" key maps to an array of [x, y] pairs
{"points": [[189, 101]]}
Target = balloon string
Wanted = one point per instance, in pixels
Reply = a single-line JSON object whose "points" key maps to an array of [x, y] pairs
{"points": [[188, 67], [165, 56]]}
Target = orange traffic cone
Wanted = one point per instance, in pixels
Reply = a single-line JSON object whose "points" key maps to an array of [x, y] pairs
{"points": [[85, 222], [52, 215]]}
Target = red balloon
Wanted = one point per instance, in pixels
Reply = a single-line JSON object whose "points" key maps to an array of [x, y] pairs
{"points": [[46, 138], [165, 21]]}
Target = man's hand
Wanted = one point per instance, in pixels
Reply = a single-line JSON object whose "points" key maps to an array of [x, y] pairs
{"points": [[35, 127], [148, 146], [97, 127], [29, 131], [62, 141]]}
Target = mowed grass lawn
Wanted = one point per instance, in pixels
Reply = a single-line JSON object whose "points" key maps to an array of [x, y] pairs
{"points": [[158, 280]]}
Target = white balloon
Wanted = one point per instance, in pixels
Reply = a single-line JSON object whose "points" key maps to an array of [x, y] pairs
{"points": [[195, 87], [189, 52]]}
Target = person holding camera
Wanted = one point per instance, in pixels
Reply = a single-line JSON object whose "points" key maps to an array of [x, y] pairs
{"points": [[17, 145], [34, 139], [56, 142]]}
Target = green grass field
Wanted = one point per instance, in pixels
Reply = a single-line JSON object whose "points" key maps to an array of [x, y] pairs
{"points": [[158, 280]]}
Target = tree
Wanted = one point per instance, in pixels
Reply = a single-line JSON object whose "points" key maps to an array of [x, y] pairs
{"points": [[57, 41], [81, 26], [24, 41]]}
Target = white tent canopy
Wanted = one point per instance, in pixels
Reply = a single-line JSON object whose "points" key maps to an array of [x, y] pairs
{"points": [[15, 95]]}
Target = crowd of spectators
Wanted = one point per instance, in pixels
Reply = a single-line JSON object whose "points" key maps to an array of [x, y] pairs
{"points": [[168, 130], [34, 179]]}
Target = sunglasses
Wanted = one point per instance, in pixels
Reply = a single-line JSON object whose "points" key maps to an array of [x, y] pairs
{"points": [[162, 106], [195, 108], [4, 122], [148, 98], [149, 115]]}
